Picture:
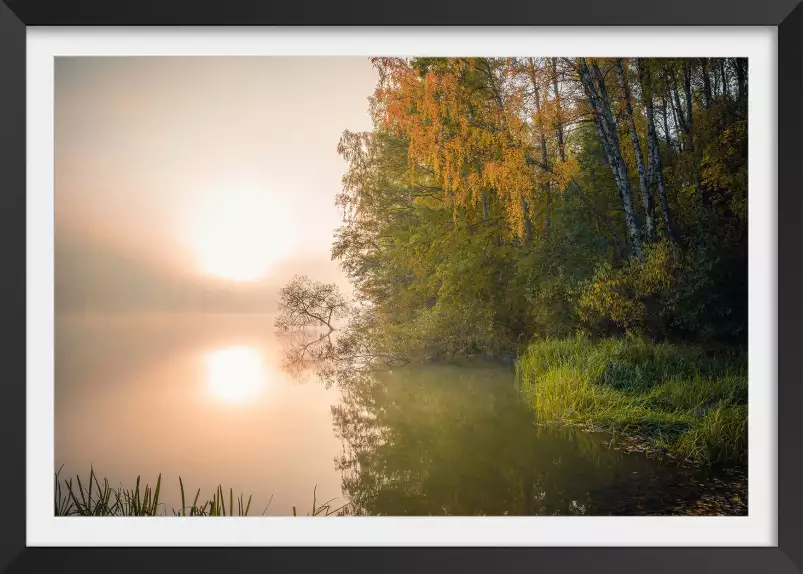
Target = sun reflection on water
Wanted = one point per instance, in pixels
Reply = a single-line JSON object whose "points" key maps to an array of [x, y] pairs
{"points": [[235, 374]]}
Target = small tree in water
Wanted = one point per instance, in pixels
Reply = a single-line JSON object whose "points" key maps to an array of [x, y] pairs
{"points": [[308, 314], [304, 303]]}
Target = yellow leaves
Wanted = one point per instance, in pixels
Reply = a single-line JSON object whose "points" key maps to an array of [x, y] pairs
{"points": [[657, 270], [473, 184], [463, 124], [466, 120], [564, 172], [513, 173], [618, 295]]}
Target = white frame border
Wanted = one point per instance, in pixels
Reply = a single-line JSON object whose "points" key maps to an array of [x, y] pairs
{"points": [[758, 529]]}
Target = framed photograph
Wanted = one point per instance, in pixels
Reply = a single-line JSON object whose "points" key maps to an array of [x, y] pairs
{"points": [[447, 287]]}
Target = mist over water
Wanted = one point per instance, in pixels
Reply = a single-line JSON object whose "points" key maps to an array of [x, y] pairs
{"points": [[204, 397], [197, 396], [162, 366]]}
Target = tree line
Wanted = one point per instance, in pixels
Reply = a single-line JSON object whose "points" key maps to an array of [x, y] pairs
{"points": [[500, 199]]}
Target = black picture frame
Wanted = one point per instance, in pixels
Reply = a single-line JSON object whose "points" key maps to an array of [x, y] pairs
{"points": [[16, 15]]}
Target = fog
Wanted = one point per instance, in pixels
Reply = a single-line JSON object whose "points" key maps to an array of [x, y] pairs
{"points": [[139, 142]]}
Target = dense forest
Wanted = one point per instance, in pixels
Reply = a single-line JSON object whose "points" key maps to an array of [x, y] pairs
{"points": [[585, 216], [500, 199]]}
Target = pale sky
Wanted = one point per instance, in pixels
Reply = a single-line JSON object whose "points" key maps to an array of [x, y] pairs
{"points": [[165, 168]]}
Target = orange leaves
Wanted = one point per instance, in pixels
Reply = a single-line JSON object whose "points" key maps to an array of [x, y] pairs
{"points": [[510, 173], [512, 177], [564, 172], [474, 124]]}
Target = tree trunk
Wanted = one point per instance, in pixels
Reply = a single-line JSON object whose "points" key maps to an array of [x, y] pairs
{"points": [[594, 87], [687, 124], [706, 83], [714, 77], [544, 153], [687, 93], [675, 92], [528, 226], [723, 72], [690, 130], [667, 135], [559, 112], [741, 83], [646, 193], [655, 169], [675, 122]]}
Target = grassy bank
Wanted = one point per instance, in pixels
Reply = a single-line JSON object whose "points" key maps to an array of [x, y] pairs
{"points": [[678, 398], [95, 497]]}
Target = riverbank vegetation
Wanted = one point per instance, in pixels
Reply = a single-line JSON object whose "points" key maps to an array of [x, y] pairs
{"points": [[676, 396], [458, 440], [94, 497], [502, 206]]}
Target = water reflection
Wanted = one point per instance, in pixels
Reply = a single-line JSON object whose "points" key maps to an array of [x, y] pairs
{"points": [[200, 397], [432, 440], [235, 374], [446, 440]]}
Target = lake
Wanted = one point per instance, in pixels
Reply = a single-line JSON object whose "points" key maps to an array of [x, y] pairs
{"points": [[205, 397]]}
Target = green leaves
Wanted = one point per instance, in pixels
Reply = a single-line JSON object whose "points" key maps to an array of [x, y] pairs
{"points": [[432, 202]]}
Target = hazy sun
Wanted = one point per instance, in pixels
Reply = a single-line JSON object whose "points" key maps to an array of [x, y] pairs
{"points": [[238, 233], [235, 375]]}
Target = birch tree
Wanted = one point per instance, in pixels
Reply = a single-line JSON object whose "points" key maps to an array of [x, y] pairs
{"points": [[646, 193], [594, 85], [655, 166]]}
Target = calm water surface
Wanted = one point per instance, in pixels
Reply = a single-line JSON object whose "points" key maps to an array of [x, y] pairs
{"points": [[205, 397]]}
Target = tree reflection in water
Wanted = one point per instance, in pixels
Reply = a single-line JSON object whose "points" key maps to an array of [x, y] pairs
{"points": [[447, 440], [457, 440]]}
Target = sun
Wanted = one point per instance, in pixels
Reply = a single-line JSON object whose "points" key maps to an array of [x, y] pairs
{"points": [[235, 374], [238, 234]]}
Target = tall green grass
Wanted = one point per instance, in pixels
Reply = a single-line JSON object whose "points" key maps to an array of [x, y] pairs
{"points": [[678, 397], [95, 498]]}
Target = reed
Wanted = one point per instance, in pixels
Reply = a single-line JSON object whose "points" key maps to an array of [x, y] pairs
{"points": [[94, 497]]}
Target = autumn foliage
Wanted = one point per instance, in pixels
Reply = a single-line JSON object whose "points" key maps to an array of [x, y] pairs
{"points": [[498, 199]]}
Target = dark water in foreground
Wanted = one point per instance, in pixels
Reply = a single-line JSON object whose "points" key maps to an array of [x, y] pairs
{"points": [[204, 397]]}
